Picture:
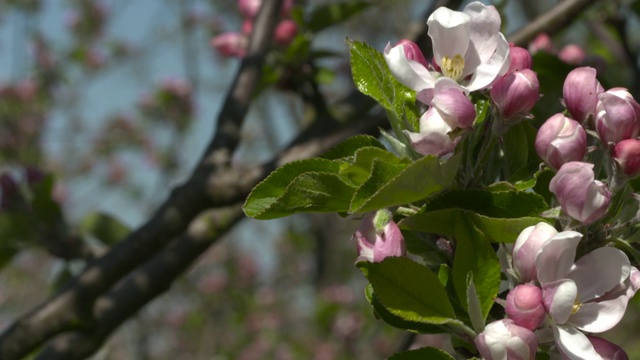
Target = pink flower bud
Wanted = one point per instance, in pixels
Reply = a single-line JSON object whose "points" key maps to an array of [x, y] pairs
{"points": [[617, 116], [504, 340], [231, 44], [627, 154], [579, 195], [520, 59], [285, 32], [526, 248], [378, 237], [572, 54], [433, 138], [525, 307], [412, 52], [580, 92], [516, 93], [561, 140], [606, 349], [542, 42], [247, 27]]}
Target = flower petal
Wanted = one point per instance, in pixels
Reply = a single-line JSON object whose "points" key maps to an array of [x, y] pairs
{"points": [[599, 271], [558, 298], [410, 73], [489, 71], [484, 26], [607, 311], [574, 344], [557, 256], [449, 32]]}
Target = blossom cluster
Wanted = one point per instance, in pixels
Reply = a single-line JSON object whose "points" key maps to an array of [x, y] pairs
{"points": [[234, 44], [562, 286]]}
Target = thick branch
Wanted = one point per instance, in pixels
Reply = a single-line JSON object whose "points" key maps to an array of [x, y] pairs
{"points": [[143, 285], [73, 304], [550, 22]]}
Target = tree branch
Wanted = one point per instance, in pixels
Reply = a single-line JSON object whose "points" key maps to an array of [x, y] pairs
{"points": [[72, 306], [550, 22]]}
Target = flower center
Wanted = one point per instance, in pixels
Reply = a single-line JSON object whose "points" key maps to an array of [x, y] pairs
{"points": [[452, 67], [576, 307]]}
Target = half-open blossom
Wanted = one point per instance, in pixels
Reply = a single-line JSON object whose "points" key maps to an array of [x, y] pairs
{"points": [[468, 48], [378, 237], [580, 92], [433, 138], [561, 140], [579, 194], [231, 44], [627, 155], [617, 116], [589, 295], [515, 94], [504, 340], [526, 249], [525, 307]]}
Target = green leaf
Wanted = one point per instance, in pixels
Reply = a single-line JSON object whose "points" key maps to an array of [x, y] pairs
{"points": [[430, 353], [311, 185], [475, 257], [473, 304], [327, 15], [409, 290], [498, 204], [392, 185], [348, 147], [373, 78], [503, 230], [364, 159], [105, 228], [398, 322]]}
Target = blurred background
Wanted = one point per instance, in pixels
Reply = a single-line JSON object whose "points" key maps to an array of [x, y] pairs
{"points": [[105, 105]]}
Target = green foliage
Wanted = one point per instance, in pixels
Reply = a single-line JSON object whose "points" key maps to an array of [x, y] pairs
{"points": [[409, 290], [521, 159]]}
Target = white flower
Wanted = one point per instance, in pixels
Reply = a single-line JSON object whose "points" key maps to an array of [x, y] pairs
{"points": [[468, 48], [589, 295]]}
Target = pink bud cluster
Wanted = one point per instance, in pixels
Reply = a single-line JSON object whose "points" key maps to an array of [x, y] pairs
{"points": [[516, 92], [234, 44]]}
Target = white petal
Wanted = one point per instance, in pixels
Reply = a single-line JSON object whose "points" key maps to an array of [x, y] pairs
{"points": [[484, 25], [489, 71], [557, 256], [599, 271], [449, 32], [408, 72], [559, 298], [574, 344]]}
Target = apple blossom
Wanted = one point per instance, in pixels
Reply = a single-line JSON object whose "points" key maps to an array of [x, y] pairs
{"points": [[580, 196], [515, 94], [412, 51], [627, 155], [561, 140], [231, 44], [504, 340], [433, 138], [525, 307], [542, 42], [617, 116], [580, 92], [589, 295], [468, 48], [378, 237], [526, 248]]}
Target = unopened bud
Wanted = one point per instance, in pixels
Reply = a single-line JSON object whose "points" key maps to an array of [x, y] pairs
{"points": [[525, 307], [561, 140], [580, 92], [627, 155], [515, 94]]}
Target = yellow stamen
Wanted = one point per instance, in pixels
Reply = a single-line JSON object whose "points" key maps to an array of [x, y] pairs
{"points": [[452, 67], [576, 307]]}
